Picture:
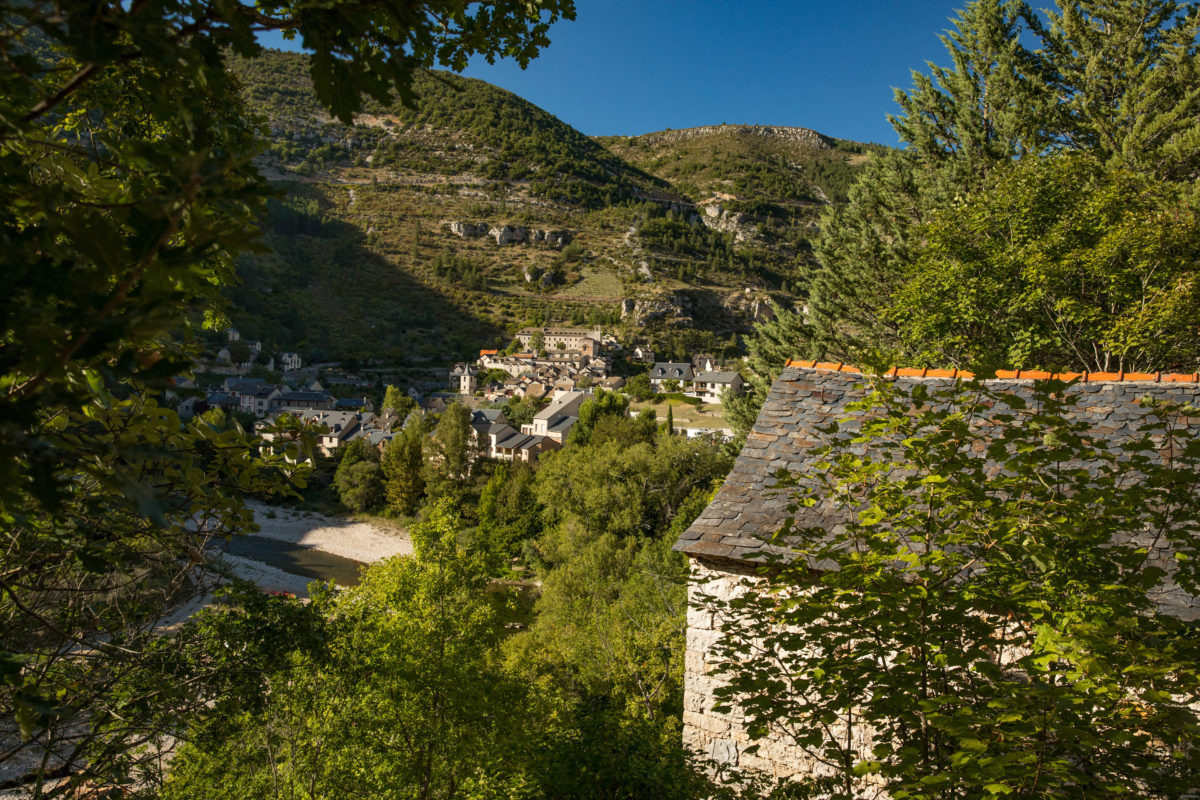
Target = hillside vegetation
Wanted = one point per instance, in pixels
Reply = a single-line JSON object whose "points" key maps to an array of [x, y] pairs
{"points": [[362, 259]]}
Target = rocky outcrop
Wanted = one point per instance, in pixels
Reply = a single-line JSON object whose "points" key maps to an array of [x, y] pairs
{"points": [[803, 136], [468, 230], [717, 311], [743, 227], [557, 239], [511, 234], [508, 234]]}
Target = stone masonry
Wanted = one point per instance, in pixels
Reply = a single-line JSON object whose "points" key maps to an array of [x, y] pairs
{"points": [[726, 541]]}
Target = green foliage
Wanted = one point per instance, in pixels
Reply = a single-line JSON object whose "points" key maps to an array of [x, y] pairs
{"points": [[986, 611], [128, 189], [1057, 263], [403, 469], [639, 387], [410, 695], [452, 449], [608, 645], [509, 514], [396, 400], [593, 410], [359, 479], [1112, 81], [768, 350], [624, 490], [520, 411]]}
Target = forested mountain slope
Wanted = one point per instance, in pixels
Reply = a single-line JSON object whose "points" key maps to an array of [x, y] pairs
{"points": [[417, 234]]}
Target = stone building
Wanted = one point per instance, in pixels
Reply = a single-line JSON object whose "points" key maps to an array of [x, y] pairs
{"points": [[725, 543], [583, 340]]}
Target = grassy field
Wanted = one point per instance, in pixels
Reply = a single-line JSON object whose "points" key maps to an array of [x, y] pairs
{"points": [[685, 414]]}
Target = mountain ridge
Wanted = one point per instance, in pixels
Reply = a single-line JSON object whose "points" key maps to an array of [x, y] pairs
{"points": [[702, 225]]}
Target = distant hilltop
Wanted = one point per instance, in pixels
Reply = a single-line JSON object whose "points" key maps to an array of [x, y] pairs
{"points": [[804, 136]]}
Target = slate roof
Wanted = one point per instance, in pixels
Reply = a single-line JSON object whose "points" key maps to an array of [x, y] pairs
{"points": [[670, 370], [809, 395], [483, 416], [715, 377]]}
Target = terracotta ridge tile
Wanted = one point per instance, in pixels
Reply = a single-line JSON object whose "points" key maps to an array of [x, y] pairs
{"points": [[1004, 374]]}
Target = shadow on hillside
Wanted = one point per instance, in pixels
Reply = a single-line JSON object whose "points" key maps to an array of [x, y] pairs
{"points": [[322, 290]]}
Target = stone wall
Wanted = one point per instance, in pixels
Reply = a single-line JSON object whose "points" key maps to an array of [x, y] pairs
{"points": [[719, 736]]}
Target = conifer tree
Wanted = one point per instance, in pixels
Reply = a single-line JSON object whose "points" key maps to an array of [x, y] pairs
{"points": [[1129, 75], [1114, 80]]}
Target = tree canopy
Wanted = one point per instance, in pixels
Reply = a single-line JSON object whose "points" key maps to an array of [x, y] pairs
{"points": [[128, 189], [1112, 81]]}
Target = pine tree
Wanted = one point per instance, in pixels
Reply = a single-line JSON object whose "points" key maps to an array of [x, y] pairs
{"points": [[1116, 80], [990, 106], [1129, 76], [768, 348]]}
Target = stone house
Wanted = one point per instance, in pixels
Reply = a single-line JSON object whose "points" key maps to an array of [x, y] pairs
{"points": [[708, 386], [499, 440], [583, 340], [337, 427], [725, 543], [290, 362], [305, 399]]}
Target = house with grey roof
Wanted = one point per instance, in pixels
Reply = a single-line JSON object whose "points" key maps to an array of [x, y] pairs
{"points": [[681, 372], [730, 540], [336, 427], [556, 419], [499, 440], [708, 386], [304, 399]]}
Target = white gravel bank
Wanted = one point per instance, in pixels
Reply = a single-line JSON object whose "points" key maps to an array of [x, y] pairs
{"points": [[360, 541]]}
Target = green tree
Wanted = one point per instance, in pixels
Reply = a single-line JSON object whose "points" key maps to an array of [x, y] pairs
{"points": [[403, 467], [1058, 263], [985, 616], [451, 452], [396, 400], [410, 695], [360, 485], [509, 513], [520, 411], [1115, 81], [240, 352], [639, 388], [612, 487], [602, 404], [1127, 74], [537, 343], [128, 189], [359, 478]]}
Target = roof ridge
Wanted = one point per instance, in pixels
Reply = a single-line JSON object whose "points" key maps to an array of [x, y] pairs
{"points": [[1019, 374]]}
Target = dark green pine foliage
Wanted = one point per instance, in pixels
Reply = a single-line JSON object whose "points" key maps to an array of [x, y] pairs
{"points": [[1115, 80], [959, 121], [1129, 73], [768, 351]]}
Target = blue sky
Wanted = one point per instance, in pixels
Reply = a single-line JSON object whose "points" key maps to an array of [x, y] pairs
{"points": [[634, 66]]}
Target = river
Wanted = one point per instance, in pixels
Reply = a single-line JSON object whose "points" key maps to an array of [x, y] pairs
{"points": [[307, 562]]}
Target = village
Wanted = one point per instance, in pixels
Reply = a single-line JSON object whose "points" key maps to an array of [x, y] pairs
{"points": [[550, 370]]}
